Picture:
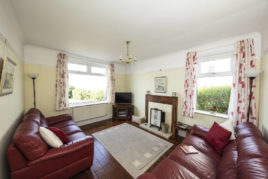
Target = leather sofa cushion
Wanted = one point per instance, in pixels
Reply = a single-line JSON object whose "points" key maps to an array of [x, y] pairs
{"points": [[169, 169], [200, 164], [76, 135], [247, 130], [28, 140], [70, 129], [253, 168], [63, 124], [227, 167], [202, 146], [199, 131]]}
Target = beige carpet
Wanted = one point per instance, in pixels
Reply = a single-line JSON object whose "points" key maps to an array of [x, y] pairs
{"points": [[135, 149]]}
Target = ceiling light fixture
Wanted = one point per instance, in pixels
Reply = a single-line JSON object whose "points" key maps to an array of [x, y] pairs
{"points": [[128, 59]]}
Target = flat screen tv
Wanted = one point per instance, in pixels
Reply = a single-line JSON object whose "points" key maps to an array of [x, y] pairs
{"points": [[123, 98]]}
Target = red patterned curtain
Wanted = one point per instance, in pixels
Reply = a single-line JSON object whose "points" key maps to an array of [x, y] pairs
{"points": [[188, 105], [239, 101], [111, 84], [62, 82]]}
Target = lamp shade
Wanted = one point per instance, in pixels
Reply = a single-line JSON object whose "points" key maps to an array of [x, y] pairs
{"points": [[252, 73], [33, 75]]}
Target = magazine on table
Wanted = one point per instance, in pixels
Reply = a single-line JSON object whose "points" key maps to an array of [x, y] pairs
{"points": [[188, 149]]}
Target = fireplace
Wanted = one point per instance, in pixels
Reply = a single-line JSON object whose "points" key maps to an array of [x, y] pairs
{"points": [[157, 117]]}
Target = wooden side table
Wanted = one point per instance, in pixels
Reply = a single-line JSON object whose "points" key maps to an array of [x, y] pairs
{"points": [[182, 132]]}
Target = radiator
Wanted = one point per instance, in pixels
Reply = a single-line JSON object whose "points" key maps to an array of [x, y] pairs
{"points": [[88, 112]]}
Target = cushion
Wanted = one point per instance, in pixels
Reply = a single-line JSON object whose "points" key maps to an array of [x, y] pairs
{"points": [[218, 137], [51, 139], [64, 138], [228, 125]]}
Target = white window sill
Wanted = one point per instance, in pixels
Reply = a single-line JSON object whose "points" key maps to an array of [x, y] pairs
{"points": [[225, 116], [74, 105]]}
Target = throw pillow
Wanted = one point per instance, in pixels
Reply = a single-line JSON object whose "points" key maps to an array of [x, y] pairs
{"points": [[64, 138], [228, 125], [50, 138], [218, 137]]}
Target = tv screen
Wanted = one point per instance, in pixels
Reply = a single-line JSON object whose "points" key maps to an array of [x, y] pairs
{"points": [[123, 98]]}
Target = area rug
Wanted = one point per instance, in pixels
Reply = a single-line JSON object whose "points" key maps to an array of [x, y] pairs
{"points": [[135, 149]]}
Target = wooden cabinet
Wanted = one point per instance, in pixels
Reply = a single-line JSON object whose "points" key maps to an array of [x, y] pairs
{"points": [[123, 111]]}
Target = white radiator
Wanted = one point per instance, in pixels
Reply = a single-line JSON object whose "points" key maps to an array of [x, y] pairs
{"points": [[88, 112]]}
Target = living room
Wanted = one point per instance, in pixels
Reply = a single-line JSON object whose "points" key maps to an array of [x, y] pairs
{"points": [[105, 69]]}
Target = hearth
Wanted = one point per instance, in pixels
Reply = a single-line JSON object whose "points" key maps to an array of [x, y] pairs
{"points": [[157, 117]]}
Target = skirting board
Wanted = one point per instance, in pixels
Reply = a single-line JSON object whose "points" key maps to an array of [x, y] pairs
{"points": [[93, 120]]}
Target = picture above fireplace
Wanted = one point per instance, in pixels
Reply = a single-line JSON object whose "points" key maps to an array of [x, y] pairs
{"points": [[157, 117]]}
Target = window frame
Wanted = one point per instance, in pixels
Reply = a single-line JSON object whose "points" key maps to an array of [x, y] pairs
{"points": [[89, 73], [213, 74]]}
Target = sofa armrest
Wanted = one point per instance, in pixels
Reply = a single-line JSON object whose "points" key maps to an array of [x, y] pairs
{"points": [[147, 176], [66, 149], [199, 131], [59, 118]]}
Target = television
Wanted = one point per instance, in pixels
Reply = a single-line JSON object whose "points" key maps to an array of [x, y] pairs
{"points": [[123, 98]]}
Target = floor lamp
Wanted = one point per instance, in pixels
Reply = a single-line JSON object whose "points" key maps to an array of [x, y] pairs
{"points": [[252, 74], [33, 76]]}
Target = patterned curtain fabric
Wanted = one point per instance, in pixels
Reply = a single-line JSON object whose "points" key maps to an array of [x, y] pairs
{"points": [[62, 82], [239, 100], [111, 84], [188, 105]]}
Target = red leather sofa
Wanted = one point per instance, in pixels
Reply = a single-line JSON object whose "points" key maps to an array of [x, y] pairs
{"points": [[30, 157], [245, 158]]}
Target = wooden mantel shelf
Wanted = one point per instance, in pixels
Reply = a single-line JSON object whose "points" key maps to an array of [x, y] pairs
{"points": [[171, 100]]}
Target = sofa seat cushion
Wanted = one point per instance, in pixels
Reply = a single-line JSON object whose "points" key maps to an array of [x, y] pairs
{"points": [[201, 145], [200, 164], [253, 168], [76, 135], [170, 169], [63, 124], [227, 168], [70, 129]]}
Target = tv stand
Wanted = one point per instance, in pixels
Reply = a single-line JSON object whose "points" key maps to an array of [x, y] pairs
{"points": [[123, 112]]}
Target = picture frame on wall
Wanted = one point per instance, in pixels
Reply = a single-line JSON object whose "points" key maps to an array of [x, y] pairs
{"points": [[160, 84], [7, 71]]}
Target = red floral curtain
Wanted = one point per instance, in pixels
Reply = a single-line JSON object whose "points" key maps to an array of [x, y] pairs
{"points": [[239, 101], [62, 82], [188, 105], [111, 84]]}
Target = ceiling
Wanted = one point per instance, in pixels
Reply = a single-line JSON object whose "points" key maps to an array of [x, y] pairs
{"points": [[99, 28]]}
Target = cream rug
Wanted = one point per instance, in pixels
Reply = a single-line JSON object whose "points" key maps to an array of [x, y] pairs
{"points": [[135, 149]]}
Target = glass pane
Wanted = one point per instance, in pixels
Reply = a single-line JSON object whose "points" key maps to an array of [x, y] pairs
{"points": [[214, 66], [213, 94], [77, 67], [98, 70], [87, 88]]}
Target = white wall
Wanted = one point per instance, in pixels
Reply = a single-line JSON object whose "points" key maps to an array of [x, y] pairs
{"points": [[11, 106], [10, 28], [264, 84]]}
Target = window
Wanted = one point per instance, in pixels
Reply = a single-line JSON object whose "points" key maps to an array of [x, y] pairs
{"points": [[88, 83], [214, 84]]}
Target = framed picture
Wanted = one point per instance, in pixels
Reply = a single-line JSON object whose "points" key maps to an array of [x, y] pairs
{"points": [[160, 84], [7, 69]]}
